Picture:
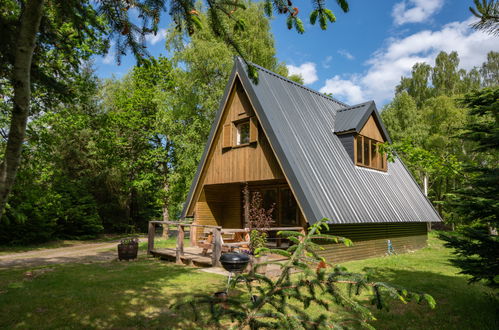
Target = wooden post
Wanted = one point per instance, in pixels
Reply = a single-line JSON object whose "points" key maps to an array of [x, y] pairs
{"points": [[180, 244], [217, 247], [150, 237]]}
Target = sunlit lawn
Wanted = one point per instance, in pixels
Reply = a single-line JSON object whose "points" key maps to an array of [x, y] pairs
{"points": [[138, 294], [114, 295], [459, 305]]}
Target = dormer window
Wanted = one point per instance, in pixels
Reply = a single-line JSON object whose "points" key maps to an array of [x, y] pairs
{"points": [[243, 133], [367, 153]]}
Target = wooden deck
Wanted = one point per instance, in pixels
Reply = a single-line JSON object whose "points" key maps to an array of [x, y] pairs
{"points": [[192, 256]]}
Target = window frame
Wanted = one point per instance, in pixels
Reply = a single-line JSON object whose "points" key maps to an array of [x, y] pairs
{"points": [[379, 160], [238, 142]]}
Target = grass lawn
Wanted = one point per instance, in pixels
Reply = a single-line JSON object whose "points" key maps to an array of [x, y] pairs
{"points": [[137, 294], [459, 305], [118, 295]]}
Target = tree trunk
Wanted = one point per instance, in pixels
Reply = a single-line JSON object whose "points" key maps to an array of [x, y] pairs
{"points": [[21, 82], [166, 214]]}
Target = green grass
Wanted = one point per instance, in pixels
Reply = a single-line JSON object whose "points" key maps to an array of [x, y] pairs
{"points": [[459, 305], [118, 295], [160, 243], [138, 294]]}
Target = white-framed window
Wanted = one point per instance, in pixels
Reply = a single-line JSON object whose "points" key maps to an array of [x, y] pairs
{"points": [[243, 133]]}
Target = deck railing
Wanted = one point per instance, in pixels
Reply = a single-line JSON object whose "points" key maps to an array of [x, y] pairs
{"points": [[217, 232], [217, 239]]}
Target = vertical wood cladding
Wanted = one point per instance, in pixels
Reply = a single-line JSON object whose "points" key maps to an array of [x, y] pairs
{"points": [[218, 205], [253, 162], [372, 130], [370, 240]]}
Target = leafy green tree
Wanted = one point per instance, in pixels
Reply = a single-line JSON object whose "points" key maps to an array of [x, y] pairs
{"points": [[490, 70], [139, 150], [477, 244], [53, 195], [425, 128], [445, 74], [402, 118], [417, 86], [66, 32]]}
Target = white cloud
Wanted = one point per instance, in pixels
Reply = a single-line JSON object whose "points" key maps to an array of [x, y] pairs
{"points": [[390, 63], [346, 54], [415, 11], [327, 62], [347, 89], [307, 70], [154, 39]]}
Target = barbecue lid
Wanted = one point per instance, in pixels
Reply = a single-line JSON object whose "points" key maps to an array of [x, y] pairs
{"points": [[232, 257]]}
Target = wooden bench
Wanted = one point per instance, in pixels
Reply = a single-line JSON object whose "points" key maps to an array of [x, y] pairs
{"points": [[230, 242]]}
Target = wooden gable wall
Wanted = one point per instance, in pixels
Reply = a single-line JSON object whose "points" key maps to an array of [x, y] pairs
{"points": [[372, 130], [253, 162]]}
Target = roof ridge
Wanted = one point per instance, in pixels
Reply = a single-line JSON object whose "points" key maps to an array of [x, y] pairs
{"points": [[360, 105], [294, 82]]}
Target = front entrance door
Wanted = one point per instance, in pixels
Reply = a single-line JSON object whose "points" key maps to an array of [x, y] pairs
{"points": [[285, 212], [288, 215]]}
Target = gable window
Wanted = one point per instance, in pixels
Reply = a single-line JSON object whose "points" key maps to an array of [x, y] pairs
{"points": [[243, 133], [367, 153], [239, 133]]}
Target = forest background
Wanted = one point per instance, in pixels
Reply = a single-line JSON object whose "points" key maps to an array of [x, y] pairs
{"points": [[122, 152]]}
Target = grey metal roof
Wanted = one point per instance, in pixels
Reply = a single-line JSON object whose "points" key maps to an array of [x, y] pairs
{"points": [[299, 125], [354, 117]]}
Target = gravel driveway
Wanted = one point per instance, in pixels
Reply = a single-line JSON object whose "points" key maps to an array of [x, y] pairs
{"points": [[85, 252]]}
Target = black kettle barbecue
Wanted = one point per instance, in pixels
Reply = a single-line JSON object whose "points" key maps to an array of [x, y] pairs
{"points": [[234, 262]]}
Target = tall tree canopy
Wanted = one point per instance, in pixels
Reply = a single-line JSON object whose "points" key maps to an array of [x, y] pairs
{"points": [[44, 42], [121, 152], [425, 119]]}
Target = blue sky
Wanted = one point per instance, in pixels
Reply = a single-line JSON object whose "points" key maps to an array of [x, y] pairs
{"points": [[363, 55]]}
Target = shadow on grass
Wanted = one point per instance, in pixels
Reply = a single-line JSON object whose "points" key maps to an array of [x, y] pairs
{"points": [[102, 295], [459, 305], [138, 295]]}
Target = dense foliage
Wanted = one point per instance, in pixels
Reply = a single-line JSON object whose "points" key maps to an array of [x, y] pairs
{"points": [[425, 121], [121, 152], [477, 244], [44, 43]]}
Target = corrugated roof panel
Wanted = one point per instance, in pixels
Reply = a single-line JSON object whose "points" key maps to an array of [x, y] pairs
{"points": [[299, 123], [350, 117]]}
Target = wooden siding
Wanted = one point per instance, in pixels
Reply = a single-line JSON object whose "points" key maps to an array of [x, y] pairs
{"points": [[218, 205], [370, 240], [253, 162], [371, 130]]}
